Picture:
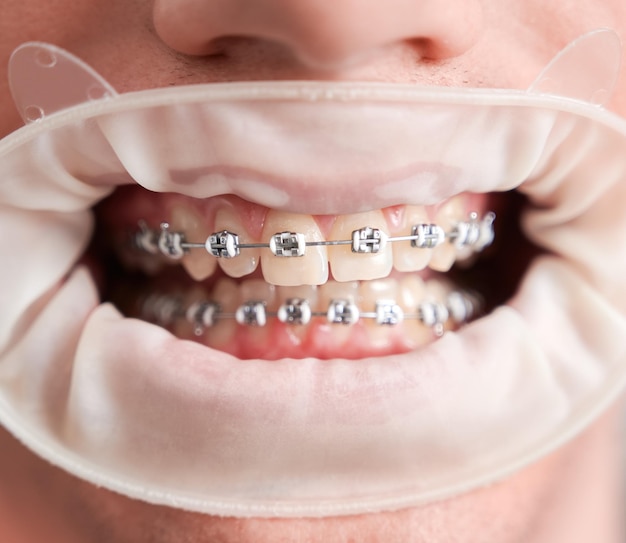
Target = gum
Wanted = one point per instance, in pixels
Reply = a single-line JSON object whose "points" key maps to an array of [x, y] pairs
{"points": [[318, 339]]}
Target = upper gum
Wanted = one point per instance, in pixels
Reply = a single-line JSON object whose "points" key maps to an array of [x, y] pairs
{"points": [[252, 216]]}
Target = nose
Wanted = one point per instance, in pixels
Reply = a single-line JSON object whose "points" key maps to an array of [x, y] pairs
{"points": [[325, 34]]}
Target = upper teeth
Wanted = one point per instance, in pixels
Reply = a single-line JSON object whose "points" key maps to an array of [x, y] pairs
{"points": [[471, 234]]}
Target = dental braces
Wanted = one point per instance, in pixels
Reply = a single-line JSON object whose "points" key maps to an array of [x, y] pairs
{"points": [[474, 233], [459, 307]]}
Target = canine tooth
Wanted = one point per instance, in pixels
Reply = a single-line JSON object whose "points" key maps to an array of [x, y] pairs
{"points": [[223, 244], [434, 315], [170, 242], [226, 220], [411, 293], [226, 295], [287, 233], [185, 326], [347, 265], [199, 264], [448, 215], [201, 315], [412, 290], [427, 236], [407, 257], [433, 311]]}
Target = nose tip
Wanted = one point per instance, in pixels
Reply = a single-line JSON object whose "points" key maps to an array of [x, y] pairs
{"points": [[323, 34]]}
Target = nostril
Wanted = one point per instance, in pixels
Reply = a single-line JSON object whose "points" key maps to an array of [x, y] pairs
{"points": [[322, 35]]}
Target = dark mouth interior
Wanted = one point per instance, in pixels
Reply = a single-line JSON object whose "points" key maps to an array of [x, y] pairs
{"points": [[495, 275]]}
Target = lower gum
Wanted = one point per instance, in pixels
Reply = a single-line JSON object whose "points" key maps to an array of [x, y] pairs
{"points": [[322, 341]]}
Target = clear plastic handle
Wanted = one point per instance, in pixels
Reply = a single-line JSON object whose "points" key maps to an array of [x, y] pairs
{"points": [[45, 79], [587, 69]]}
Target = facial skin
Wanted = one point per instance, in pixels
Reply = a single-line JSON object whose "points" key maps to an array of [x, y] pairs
{"points": [[143, 44]]}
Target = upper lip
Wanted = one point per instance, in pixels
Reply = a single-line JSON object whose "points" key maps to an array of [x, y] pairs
{"points": [[317, 155]]}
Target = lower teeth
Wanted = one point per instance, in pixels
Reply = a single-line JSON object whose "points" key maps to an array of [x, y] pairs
{"points": [[459, 307]]}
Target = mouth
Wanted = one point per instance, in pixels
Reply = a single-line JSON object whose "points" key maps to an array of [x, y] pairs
{"points": [[357, 341], [267, 284]]}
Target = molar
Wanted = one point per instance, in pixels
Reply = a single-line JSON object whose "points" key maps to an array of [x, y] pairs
{"points": [[308, 269], [199, 264], [349, 266], [226, 218]]}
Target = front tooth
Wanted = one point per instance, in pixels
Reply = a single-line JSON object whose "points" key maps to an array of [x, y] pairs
{"points": [[412, 292], [447, 216], [371, 293], [405, 257], [308, 269], [437, 292], [302, 292], [349, 266], [247, 261], [334, 290], [199, 264], [185, 327]]}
